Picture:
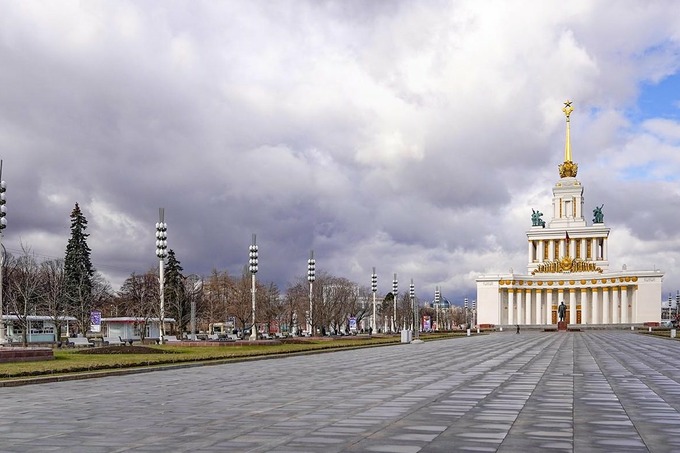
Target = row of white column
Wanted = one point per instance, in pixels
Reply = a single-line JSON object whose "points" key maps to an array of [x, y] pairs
{"points": [[599, 305], [537, 251]]}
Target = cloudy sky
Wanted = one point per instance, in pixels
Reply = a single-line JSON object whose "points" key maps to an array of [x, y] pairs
{"points": [[415, 137]]}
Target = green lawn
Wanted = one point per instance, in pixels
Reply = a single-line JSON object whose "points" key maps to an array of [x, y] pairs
{"points": [[86, 360], [80, 360]]}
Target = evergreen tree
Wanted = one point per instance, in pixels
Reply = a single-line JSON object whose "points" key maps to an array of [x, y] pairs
{"points": [[78, 272], [175, 294]]}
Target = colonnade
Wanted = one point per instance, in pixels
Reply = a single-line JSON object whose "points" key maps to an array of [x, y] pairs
{"points": [[590, 249], [612, 304]]}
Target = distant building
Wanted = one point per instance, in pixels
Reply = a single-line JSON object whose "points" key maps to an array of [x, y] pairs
{"points": [[568, 262], [40, 329], [132, 328]]}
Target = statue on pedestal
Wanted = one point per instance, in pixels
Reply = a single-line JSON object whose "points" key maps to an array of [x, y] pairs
{"points": [[561, 311]]}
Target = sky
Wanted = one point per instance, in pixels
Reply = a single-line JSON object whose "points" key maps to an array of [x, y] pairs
{"points": [[413, 137]]}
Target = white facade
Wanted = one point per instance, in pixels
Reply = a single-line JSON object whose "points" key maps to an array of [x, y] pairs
{"points": [[568, 261]]}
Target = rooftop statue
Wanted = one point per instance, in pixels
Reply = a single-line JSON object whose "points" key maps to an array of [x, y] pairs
{"points": [[536, 219], [598, 215]]}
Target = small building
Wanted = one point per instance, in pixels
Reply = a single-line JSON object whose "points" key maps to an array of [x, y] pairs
{"points": [[132, 327], [40, 329]]}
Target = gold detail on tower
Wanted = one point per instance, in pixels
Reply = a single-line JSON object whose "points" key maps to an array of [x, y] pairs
{"points": [[568, 168], [566, 264]]}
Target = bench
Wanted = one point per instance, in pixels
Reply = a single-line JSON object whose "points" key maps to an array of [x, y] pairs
{"points": [[126, 340], [171, 339], [79, 341], [111, 341]]}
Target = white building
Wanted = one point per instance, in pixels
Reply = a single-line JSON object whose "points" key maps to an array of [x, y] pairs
{"points": [[132, 328], [568, 262]]}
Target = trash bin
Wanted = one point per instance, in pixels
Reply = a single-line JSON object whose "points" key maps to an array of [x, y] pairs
{"points": [[405, 336]]}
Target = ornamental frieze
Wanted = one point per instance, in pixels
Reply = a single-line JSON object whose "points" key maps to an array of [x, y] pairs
{"points": [[566, 264]]}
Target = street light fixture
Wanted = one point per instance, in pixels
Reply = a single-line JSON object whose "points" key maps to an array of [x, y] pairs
{"points": [[374, 288], [161, 253], [466, 312], [311, 276], [253, 271], [437, 297], [474, 312], [412, 295], [3, 224], [395, 289]]}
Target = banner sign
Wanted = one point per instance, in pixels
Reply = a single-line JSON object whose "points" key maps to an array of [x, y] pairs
{"points": [[96, 321]]}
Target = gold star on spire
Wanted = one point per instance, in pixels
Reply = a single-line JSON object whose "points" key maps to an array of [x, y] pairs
{"points": [[568, 109], [568, 168]]}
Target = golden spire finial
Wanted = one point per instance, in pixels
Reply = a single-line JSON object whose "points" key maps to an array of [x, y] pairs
{"points": [[568, 109], [568, 168], [567, 145]]}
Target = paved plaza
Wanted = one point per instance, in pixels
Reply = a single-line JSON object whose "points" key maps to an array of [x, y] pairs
{"points": [[608, 391]]}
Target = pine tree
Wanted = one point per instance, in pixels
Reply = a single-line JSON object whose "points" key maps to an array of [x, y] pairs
{"points": [[175, 294], [78, 271]]}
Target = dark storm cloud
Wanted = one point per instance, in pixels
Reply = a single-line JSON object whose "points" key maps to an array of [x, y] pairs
{"points": [[414, 137]]}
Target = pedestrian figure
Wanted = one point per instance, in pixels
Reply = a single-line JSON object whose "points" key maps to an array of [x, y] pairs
{"points": [[517, 328]]}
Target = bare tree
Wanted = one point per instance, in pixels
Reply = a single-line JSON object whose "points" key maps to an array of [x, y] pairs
{"points": [[296, 305], [240, 304], [53, 300], [139, 298], [23, 291], [271, 307], [216, 292]]}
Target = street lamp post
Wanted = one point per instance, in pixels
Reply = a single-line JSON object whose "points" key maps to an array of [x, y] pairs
{"points": [[395, 289], [3, 224], [161, 253], [374, 288], [466, 312], [412, 295], [311, 276], [474, 312], [437, 297], [253, 271]]}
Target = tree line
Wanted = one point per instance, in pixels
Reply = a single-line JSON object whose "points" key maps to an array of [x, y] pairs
{"points": [[58, 288]]}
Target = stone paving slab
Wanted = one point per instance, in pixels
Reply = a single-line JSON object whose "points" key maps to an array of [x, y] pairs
{"points": [[595, 391]]}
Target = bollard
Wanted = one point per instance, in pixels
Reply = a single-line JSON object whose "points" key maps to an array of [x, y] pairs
{"points": [[501, 329], [477, 329], [468, 332], [650, 329], [632, 327], [672, 333]]}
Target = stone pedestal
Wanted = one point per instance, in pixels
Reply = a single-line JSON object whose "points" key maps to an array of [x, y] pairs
{"points": [[562, 325]]}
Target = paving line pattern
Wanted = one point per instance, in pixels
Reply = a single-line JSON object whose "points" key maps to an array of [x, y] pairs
{"points": [[564, 392]]}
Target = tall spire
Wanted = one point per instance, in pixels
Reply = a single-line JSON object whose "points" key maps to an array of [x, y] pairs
{"points": [[567, 145], [568, 168]]}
